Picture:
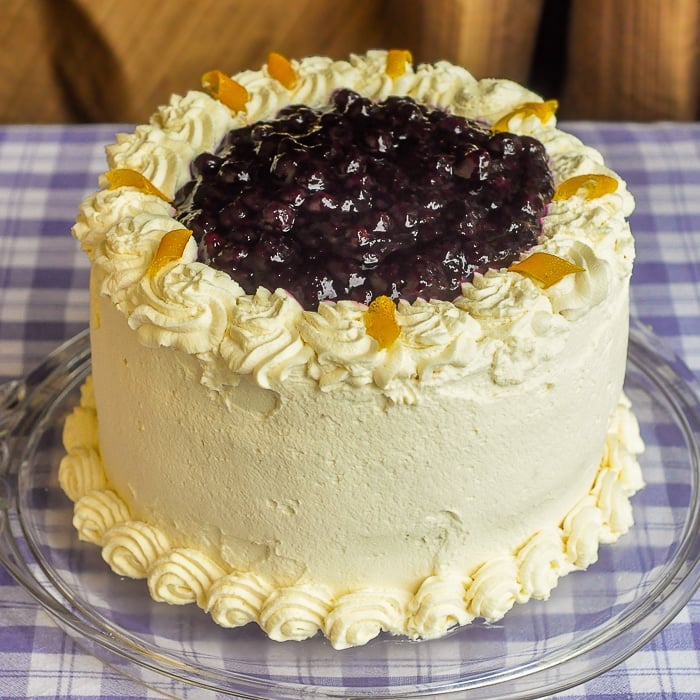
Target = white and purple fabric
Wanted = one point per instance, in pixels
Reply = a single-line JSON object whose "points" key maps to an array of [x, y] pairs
{"points": [[45, 171]]}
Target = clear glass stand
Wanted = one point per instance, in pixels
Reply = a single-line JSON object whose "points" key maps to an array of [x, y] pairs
{"points": [[593, 621]]}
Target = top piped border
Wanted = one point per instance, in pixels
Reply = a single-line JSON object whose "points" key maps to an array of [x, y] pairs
{"points": [[182, 303]]}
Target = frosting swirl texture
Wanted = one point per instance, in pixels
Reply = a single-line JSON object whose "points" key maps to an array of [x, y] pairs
{"points": [[439, 340]]}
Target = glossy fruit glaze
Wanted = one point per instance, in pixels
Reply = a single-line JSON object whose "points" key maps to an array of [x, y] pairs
{"points": [[365, 199]]}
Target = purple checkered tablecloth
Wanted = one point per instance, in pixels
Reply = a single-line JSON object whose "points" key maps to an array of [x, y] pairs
{"points": [[44, 174]]}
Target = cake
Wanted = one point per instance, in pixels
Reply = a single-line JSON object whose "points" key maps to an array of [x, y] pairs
{"points": [[399, 421]]}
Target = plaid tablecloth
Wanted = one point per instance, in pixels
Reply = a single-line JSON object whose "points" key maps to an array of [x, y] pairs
{"points": [[46, 171]]}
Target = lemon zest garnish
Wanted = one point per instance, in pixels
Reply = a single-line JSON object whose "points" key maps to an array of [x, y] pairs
{"points": [[125, 177], [590, 186], [544, 111], [170, 248], [282, 70], [396, 62], [545, 268], [380, 322], [225, 89]]}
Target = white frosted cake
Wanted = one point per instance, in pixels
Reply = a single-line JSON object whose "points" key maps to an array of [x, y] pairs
{"points": [[401, 461]]}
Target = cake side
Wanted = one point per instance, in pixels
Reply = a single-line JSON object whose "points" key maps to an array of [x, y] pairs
{"points": [[180, 569], [520, 384]]}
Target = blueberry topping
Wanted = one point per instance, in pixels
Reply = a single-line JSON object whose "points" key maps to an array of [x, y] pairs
{"points": [[365, 199]]}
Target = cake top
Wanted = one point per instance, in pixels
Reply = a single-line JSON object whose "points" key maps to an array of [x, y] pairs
{"points": [[502, 322]]}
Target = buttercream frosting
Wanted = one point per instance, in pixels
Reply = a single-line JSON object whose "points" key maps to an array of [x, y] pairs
{"points": [[178, 576]]}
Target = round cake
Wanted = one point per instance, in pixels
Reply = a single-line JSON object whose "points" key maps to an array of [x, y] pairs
{"points": [[359, 334]]}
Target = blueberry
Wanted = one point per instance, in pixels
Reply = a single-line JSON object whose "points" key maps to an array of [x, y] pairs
{"points": [[467, 163], [278, 216], [293, 195], [275, 250], [232, 214], [210, 245], [378, 140], [504, 144], [206, 165], [284, 166], [312, 179], [320, 203], [232, 255], [343, 99], [235, 172]]}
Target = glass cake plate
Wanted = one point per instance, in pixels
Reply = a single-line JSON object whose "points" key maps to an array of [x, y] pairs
{"points": [[593, 621]]}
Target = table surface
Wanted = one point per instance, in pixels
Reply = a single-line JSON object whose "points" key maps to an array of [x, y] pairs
{"points": [[44, 174]]}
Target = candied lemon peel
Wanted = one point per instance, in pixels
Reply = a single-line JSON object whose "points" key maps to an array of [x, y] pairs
{"points": [[280, 68], [225, 89], [545, 268], [170, 249], [397, 61], [589, 186], [544, 111], [380, 322], [126, 177]]}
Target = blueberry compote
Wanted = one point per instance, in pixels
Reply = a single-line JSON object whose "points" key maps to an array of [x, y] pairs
{"points": [[365, 199]]}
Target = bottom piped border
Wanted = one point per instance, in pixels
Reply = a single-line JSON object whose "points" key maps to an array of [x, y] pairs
{"points": [[180, 575]]}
